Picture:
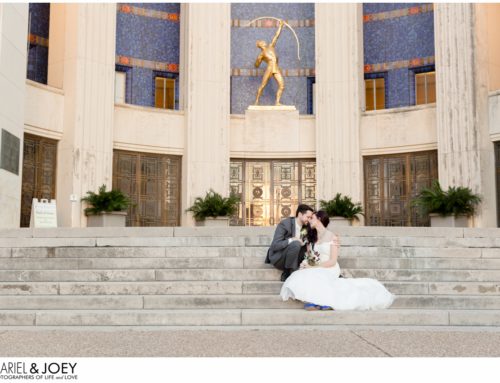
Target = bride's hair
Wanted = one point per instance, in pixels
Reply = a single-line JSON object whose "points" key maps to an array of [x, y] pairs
{"points": [[312, 234], [323, 217]]}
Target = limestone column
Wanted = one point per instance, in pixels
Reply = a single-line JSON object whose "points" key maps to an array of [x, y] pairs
{"points": [[13, 52], [339, 80], [465, 152], [57, 35], [205, 97], [86, 150]]}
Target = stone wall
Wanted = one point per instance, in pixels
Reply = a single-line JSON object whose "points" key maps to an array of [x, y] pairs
{"points": [[147, 44], [398, 40], [299, 75]]}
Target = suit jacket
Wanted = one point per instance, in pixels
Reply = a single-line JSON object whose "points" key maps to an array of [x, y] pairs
{"points": [[284, 231]]}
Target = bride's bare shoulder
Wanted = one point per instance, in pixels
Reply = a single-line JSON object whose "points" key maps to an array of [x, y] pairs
{"points": [[333, 237], [329, 236]]}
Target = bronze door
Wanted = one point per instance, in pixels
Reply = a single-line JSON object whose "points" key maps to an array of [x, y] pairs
{"points": [[391, 181], [271, 190], [152, 181], [39, 173]]}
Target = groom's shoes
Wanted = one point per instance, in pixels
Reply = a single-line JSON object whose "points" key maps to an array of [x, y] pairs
{"points": [[285, 275]]}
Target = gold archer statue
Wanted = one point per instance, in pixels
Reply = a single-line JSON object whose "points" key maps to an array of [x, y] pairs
{"points": [[269, 55]]}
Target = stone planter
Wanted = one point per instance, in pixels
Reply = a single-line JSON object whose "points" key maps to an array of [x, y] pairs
{"points": [[449, 221], [105, 219], [214, 222], [339, 221]]}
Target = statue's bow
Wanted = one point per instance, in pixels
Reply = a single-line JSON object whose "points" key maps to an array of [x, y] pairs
{"points": [[285, 23]]}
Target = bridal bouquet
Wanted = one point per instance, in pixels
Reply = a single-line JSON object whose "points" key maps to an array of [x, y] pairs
{"points": [[311, 258], [303, 235]]}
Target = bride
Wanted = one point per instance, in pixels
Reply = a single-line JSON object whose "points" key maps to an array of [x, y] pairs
{"points": [[320, 286]]}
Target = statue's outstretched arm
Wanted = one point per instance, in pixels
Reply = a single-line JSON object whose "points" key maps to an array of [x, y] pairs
{"points": [[278, 32]]}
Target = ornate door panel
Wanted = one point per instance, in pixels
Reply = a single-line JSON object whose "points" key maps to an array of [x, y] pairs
{"points": [[271, 190], [391, 181], [39, 173], [153, 183]]}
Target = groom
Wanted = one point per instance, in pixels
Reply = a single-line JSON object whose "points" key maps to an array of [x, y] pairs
{"points": [[287, 249]]}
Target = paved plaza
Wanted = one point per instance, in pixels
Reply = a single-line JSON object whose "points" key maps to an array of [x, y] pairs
{"points": [[279, 342]]}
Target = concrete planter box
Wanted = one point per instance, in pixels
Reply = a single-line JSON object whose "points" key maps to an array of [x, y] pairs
{"points": [[449, 221], [339, 221], [105, 219], [214, 222]]}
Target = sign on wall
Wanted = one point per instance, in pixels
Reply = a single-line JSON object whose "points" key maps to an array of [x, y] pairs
{"points": [[9, 152], [43, 213]]}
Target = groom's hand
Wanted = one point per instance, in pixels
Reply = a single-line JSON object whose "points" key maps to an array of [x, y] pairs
{"points": [[300, 241]]}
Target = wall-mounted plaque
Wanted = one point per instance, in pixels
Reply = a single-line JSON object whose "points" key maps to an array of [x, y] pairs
{"points": [[9, 152]]}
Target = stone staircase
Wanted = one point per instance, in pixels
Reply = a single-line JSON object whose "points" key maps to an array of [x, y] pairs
{"points": [[217, 277]]}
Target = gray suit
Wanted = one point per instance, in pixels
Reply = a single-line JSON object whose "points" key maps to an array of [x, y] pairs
{"points": [[284, 255]]}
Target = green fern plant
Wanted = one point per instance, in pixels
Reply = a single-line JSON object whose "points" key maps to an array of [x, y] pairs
{"points": [[342, 207], [454, 201], [214, 205], [105, 201]]}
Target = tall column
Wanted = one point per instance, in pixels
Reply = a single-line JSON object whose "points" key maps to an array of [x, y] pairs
{"points": [[465, 153], [86, 150], [339, 80], [57, 35], [205, 82], [13, 52]]}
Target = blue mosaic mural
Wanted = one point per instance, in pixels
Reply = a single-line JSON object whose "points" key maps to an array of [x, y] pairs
{"points": [[147, 45], [244, 52], [398, 42], [38, 53]]}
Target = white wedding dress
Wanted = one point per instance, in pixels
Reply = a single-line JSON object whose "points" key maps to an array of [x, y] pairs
{"points": [[322, 286]]}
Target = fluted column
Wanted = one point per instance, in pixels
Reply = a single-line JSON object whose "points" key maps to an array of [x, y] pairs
{"points": [[339, 79], [205, 88], [465, 153], [86, 150], [13, 47]]}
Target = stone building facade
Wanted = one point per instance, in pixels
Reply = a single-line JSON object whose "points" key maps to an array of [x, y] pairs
{"points": [[152, 99]]}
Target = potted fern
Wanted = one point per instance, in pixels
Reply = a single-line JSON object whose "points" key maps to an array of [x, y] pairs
{"points": [[106, 208], [450, 208], [213, 209], [341, 210]]}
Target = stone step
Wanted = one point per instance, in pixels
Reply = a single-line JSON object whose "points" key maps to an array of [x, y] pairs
{"points": [[77, 275], [123, 242], [249, 317], [419, 263], [418, 252], [121, 263], [71, 302], [227, 287], [423, 275], [133, 252], [349, 262], [227, 301], [267, 274], [421, 242], [452, 302], [364, 231], [100, 302], [239, 251], [399, 288], [396, 317], [126, 288], [238, 263], [248, 241]]}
